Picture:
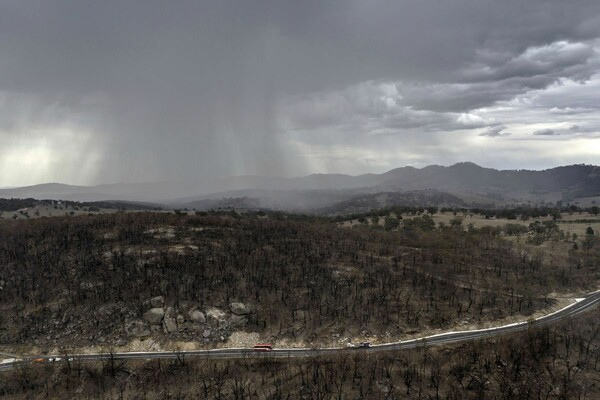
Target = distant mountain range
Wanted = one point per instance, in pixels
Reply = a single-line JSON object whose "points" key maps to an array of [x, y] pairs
{"points": [[466, 183]]}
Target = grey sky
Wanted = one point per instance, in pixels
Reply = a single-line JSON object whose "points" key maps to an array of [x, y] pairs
{"points": [[108, 91]]}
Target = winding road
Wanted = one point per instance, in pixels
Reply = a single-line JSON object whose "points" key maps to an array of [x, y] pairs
{"points": [[582, 305]]}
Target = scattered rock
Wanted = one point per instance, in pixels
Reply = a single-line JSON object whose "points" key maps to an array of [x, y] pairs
{"points": [[185, 306], [157, 301], [162, 233], [137, 328], [154, 316], [197, 316], [66, 317], [206, 333], [170, 321], [170, 325], [238, 320], [215, 316], [239, 309], [180, 319], [110, 235]]}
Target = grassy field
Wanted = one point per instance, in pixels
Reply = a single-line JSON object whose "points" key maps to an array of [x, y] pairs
{"points": [[587, 201], [67, 210], [573, 223], [52, 211], [554, 252]]}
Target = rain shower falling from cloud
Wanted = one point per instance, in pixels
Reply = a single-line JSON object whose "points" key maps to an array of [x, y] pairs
{"points": [[118, 91]]}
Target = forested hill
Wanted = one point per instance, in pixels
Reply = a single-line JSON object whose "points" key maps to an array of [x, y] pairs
{"points": [[572, 180], [322, 190]]}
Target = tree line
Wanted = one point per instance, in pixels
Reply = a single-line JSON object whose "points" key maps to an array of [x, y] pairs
{"points": [[85, 277]]}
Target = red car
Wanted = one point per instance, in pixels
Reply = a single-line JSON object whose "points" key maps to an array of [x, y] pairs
{"points": [[263, 347]]}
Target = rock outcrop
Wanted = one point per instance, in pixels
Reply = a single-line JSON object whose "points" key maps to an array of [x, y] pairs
{"points": [[170, 320], [137, 328], [215, 316], [197, 316], [239, 309], [154, 316], [157, 302], [238, 320]]}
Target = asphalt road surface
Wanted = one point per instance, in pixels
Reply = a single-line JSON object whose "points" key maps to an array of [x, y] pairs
{"points": [[584, 304]]}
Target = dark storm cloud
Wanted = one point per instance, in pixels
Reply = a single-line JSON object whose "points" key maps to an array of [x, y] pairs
{"points": [[177, 90], [555, 59], [489, 79]]}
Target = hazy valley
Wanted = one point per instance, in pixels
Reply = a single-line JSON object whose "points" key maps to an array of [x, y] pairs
{"points": [[460, 185]]}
